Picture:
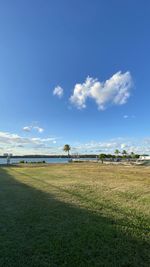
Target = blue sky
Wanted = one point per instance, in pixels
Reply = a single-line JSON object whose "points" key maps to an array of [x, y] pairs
{"points": [[74, 72]]}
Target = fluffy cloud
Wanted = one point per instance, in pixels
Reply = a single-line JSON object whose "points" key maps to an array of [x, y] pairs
{"points": [[17, 144], [136, 146], [58, 91], [27, 128], [114, 91], [39, 129], [31, 127], [8, 138]]}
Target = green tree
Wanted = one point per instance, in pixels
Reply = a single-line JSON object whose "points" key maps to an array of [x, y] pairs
{"points": [[124, 153], [102, 157], [117, 152], [67, 148], [133, 155]]}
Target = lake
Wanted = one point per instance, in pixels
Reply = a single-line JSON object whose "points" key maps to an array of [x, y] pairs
{"points": [[47, 160]]}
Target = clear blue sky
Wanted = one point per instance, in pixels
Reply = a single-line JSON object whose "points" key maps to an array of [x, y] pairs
{"points": [[45, 44]]}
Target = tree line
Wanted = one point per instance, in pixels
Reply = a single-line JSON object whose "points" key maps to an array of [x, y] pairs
{"points": [[118, 155]]}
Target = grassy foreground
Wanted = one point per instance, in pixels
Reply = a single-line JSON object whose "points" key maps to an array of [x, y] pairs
{"points": [[74, 215]]}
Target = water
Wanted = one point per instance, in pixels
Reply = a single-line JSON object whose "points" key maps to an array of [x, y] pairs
{"points": [[47, 160]]}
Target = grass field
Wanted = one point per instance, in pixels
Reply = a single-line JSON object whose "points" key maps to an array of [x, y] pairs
{"points": [[74, 215]]}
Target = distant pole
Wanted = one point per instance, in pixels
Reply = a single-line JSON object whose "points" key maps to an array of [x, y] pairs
{"points": [[8, 156], [8, 159]]}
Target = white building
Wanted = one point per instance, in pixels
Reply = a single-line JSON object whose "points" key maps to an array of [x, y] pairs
{"points": [[144, 158]]}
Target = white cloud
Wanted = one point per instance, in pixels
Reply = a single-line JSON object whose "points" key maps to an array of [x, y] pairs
{"points": [[114, 91], [27, 128], [39, 129], [123, 146], [8, 138], [31, 127], [130, 145], [58, 91], [17, 144]]}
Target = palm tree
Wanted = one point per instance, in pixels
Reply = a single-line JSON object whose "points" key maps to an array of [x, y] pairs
{"points": [[133, 155], [124, 153], [117, 152], [67, 148], [102, 157]]}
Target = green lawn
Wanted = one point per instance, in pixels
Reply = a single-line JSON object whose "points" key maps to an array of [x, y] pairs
{"points": [[74, 215]]}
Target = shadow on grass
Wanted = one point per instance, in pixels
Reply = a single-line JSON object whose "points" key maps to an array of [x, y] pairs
{"points": [[36, 229], [142, 225]]}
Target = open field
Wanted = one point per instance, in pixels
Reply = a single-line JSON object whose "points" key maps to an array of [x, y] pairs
{"points": [[74, 215]]}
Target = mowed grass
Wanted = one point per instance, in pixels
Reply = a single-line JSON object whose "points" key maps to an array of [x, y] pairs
{"points": [[74, 215]]}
